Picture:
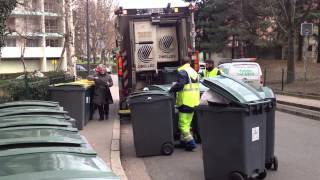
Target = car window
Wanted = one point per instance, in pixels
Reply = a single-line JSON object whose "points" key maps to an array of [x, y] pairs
{"points": [[245, 70]]}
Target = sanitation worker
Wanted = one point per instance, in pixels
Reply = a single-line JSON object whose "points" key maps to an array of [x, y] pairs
{"points": [[187, 98]]}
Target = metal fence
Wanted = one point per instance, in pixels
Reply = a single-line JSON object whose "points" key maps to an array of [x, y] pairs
{"points": [[307, 80]]}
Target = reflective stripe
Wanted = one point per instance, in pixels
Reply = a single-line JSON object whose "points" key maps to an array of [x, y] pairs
{"points": [[212, 73], [190, 95]]}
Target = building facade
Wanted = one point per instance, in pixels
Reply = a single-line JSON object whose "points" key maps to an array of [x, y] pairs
{"points": [[38, 27]]}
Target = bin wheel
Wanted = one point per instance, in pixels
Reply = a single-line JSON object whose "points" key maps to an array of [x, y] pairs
{"points": [[167, 149], [262, 175], [275, 163], [236, 176], [268, 165]]}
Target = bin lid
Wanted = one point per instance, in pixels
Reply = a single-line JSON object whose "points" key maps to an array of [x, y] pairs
{"points": [[39, 135], [53, 163], [35, 116], [166, 87], [26, 108], [48, 121], [267, 93], [33, 112], [28, 103], [232, 89], [77, 85], [147, 96]]}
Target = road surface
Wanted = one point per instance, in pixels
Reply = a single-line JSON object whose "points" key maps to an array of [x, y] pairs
{"points": [[297, 148]]}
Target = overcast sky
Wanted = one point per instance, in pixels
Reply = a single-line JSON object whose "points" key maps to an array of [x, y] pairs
{"points": [[150, 3]]}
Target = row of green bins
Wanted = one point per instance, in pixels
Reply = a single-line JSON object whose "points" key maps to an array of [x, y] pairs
{"points": [[53, 163], [75, 97], [37, 141], [151, 116], [234, 134]]}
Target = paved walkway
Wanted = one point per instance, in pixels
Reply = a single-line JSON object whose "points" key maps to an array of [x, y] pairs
{"points": [[99, 133], [298, 100]]}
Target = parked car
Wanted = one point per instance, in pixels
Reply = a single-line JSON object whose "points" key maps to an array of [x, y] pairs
{"points": [[244, 69], [80, 68], [202, 66]]}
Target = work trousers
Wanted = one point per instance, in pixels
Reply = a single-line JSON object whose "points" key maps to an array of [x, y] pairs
{"points": [[185, 120]]}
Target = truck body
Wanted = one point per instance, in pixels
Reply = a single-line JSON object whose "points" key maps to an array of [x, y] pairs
{"points": [[151, 43]]}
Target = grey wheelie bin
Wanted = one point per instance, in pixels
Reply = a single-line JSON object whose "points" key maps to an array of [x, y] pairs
{"points": [[271, 159], [75, 98], [53, 163], [234, 133], [151, 116], [32, 103], [176, 132]]}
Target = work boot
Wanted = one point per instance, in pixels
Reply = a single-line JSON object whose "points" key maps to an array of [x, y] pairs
{"points": [[181, 145], [190, 145]]}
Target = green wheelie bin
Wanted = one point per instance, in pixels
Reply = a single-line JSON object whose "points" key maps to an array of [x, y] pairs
{"points": [[53, 163]]}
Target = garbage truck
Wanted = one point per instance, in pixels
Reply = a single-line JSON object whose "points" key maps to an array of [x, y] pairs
{"points": [[150, 44]]}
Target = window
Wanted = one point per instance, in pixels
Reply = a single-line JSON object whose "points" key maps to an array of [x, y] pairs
{"points": [[52, 6], [52, 25], [33, 43], [10, 42], [52, 43], [11, 23]]}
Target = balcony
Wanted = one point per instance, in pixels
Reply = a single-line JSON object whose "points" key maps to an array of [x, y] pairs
{"points": [[31, 52]]}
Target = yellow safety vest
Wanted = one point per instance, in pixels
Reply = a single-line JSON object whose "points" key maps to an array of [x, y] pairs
{"points": [[212, 73], [190, 95]]}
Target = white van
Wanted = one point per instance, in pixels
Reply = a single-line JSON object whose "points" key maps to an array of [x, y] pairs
{"points": [[244, 69]]}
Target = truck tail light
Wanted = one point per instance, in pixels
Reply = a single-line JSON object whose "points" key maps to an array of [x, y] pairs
{"points": [[120, 65]]}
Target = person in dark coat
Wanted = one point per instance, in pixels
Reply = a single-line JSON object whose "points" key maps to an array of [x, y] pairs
{"points": [[102, 96]]}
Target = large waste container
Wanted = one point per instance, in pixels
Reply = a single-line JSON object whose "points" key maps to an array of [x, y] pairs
{"points": [[75, 98], [169, 75], [38, 117], [151, 116], [33, 121], [53, 163], [30, 103], [194, 125], [39, 136], [234, 134], [271, 159]]}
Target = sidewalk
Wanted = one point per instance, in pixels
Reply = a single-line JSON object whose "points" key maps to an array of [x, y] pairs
{"points": [[304, 107], [300, 102], [104, 136]]}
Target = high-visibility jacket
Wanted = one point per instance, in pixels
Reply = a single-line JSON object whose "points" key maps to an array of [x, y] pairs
{"points": [[212, 73], [190, 94]]}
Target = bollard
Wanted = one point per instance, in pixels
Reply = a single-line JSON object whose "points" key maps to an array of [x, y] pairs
{"points": [[282, 79]]}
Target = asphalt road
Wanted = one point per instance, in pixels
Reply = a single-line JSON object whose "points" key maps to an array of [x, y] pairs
{"points": [[297, 148]]}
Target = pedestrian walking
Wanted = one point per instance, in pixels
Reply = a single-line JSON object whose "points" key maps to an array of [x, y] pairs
{"points": [[102, 96], [188, 97]]}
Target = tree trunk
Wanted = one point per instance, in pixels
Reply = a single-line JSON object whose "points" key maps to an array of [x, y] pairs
{"points": [[69, 39], [318, 58], [233, 47], [290, 62]]}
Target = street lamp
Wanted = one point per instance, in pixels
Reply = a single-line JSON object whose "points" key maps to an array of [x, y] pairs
{"points": [[88, 37]]}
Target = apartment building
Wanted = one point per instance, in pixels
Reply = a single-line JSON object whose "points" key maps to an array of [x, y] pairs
{"points": [[39, 26]]}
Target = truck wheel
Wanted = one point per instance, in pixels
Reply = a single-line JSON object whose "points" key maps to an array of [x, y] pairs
{"points": [[275, 163], [167, 149], [236, 176]]}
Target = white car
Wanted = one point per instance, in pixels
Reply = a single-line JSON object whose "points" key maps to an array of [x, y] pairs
{"points": [[244, 69], [202, 66]]}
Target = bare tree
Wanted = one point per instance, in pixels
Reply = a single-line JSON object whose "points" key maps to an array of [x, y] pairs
{"points": [[101, 27]]}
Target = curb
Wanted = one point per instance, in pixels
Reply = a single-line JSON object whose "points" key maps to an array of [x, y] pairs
{"points": [[307, 96], [311, 114], [115, 161], [313, 108]]}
